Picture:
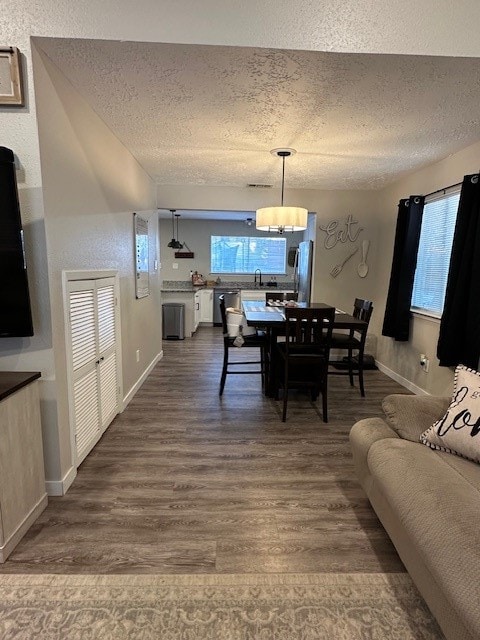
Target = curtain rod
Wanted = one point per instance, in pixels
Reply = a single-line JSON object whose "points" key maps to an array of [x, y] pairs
{"points": [[452, 186]]}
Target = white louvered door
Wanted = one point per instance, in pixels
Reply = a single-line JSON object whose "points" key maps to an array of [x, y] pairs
{"points": [[108, 383], [93, 357]]}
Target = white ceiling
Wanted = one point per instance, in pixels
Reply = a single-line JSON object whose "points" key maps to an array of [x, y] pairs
{"points": [[199, 115]]}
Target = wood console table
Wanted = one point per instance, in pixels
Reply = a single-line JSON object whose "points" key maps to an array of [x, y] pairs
{"points": [[22, 476]]}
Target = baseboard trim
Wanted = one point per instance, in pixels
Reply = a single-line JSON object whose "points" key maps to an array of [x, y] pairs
{"points": [[141, 380], [22, 529], [60, 487], [401, 380]]}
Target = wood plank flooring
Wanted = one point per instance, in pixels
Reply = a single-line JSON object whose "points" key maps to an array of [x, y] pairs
{"points": [[187, 482]]}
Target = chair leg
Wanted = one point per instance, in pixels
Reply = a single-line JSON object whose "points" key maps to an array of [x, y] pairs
{"points": [[224, 371], [360, 373], [285, 394], [285, 401], [350, 366], [325, 397], [263, 367]]}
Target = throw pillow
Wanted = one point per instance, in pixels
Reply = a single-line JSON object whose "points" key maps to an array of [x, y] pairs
{"points": [[459, 430]]}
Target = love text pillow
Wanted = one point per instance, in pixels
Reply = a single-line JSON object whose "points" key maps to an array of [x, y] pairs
{"points": [[459, 430]]}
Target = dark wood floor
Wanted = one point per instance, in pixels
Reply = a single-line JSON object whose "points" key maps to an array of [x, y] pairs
{"points": [[186, 482]]}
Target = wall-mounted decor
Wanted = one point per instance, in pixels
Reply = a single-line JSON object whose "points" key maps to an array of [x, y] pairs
{"points": [[141, 257], [184, 254], [337, 268], [362, 268], [11, 85], [337, 232]]}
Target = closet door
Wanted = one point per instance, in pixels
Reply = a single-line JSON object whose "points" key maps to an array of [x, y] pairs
{"points": [[107, 351], [84, 359], [93, 356]]}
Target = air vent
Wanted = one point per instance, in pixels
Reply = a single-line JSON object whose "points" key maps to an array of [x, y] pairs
{"points": [[260, 186]]}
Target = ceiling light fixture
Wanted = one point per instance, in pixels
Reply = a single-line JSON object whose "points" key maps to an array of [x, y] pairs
{"points": [[281, 219], [174, 244]]}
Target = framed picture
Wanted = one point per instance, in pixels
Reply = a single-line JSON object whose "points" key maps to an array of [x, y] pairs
{"points": [[11, 85], [142, 288]]}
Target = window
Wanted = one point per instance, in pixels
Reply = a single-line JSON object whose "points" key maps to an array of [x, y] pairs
{"points": [[238, 254], [433, 261]]}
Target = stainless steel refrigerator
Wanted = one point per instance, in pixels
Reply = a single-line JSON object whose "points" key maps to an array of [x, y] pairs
{"points": [[303, 271]]}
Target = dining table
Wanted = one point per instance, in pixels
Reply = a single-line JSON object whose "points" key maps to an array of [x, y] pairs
{"points": [[270, 316]]}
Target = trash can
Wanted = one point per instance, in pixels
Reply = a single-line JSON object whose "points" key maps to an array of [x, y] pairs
{"points": [[173, 321]]}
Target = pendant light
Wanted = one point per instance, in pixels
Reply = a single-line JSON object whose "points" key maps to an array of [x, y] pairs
{"points": [[179, 244], [281, 219], [174, 244]]}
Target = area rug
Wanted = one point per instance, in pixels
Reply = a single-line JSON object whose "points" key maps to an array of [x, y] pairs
{"points": [[223, 607]]}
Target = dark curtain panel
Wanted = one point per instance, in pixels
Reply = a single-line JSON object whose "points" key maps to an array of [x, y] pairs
{"points": [[396, 323], [459, 340]]}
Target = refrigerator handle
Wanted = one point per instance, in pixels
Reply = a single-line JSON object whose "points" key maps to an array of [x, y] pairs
{"points": [[295, 272]]}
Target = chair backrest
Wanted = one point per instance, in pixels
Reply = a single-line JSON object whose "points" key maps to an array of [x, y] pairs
{"points": [[223, 313], [362, 309], [273, 295], [309, 329], [280, 295]]}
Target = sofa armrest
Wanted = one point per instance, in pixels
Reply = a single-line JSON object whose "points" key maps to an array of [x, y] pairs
{"points": [[362, 435], [409, 416]]}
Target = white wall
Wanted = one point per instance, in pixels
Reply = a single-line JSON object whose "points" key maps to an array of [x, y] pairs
{"points": [[91, 186], [403, 357], [197, 233]]}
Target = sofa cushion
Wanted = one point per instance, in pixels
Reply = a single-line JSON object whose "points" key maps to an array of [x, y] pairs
{"points": [[458, 431], [436, 497], [409, 416]]}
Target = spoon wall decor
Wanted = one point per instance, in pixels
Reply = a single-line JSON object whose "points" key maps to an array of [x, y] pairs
{"points": [[362, 268]]}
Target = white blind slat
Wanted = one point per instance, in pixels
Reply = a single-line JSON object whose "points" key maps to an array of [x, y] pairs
{"points": [[433, 260]]}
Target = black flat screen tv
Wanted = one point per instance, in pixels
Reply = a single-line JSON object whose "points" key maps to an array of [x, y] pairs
{"points": [[15, 311]]}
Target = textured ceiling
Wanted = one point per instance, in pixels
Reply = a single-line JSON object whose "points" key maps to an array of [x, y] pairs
{"points": [[198, 115]]}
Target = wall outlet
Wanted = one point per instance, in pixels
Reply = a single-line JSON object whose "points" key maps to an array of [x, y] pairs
{"points": [[138, 355], [175, 265], [424, 362]]}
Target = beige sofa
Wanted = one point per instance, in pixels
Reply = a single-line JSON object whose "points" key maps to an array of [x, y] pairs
{"points": [[429, 504]]}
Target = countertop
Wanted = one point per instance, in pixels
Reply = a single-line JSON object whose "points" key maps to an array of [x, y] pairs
{"points": [[185, 286], [11, 381]]}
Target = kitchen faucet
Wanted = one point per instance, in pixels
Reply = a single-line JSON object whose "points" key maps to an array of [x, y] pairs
{"points": [[260, 277]]}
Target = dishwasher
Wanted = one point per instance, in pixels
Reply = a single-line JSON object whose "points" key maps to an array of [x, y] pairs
{"points": [[232, 299]]}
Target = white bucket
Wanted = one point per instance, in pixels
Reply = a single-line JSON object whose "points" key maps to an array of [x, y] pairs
{"points": [[235, 319]]}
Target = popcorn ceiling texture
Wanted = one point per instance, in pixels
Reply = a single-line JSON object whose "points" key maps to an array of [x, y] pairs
{"points": [[198, 115]]}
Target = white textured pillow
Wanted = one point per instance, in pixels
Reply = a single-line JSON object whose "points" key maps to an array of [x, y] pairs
{"points": [[459, 430]]}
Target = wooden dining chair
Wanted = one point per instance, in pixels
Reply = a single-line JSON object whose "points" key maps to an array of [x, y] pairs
{"points": [[303, 357], [258, 341], [281, 296], [353, 343]]}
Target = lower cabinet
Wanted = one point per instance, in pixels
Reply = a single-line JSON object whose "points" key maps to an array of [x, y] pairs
{"points": [[196, 310], [206, 305], [22, 477]]}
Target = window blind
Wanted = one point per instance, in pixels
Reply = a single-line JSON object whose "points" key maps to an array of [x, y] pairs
{"points": [[244, 254], [433, 261]]}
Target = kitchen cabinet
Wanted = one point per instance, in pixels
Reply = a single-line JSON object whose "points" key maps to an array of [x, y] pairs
{"points": [[206, 306], [22, 478], [196, 310]]}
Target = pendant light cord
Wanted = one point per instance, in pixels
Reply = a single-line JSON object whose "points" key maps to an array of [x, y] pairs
{"points": [[283, 175]]}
